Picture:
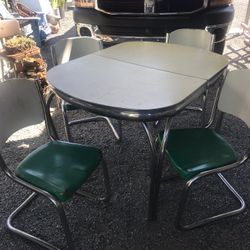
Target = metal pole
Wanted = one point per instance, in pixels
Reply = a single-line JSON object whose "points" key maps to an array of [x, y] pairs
{"points": [[247, 13]]}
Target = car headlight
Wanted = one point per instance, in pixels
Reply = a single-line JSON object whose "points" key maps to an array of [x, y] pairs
{"points": [[216, 3], [85, 3]]}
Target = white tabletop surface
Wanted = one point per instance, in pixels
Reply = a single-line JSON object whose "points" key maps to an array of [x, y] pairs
{"points": [[174, 58], [136, 78]]}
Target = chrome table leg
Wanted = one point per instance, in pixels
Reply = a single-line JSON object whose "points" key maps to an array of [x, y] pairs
{"points": [[156, 170]]}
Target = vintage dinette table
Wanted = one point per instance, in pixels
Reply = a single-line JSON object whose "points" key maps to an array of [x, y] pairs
{"points": [[139, 81]]}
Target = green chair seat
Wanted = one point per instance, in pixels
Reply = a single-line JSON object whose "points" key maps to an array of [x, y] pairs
{"points": [[60, 168], [195, 150]]}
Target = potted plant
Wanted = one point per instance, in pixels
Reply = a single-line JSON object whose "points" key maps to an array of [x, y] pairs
{"points": [[18, 44]]}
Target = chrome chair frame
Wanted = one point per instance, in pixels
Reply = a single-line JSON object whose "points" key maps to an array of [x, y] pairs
{"points": [[36, 191], [204, 221], [98, 118], [178, 222]]}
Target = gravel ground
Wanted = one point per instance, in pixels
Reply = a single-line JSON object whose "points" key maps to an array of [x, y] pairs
{"points": [[122, 224]]}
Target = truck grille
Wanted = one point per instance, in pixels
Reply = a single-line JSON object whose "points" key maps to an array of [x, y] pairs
{"points": [[125, 6], [177, 6], [159, 6]]}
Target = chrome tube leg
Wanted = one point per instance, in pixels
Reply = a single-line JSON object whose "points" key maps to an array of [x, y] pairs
{"points": [[17, 211], [156, 170], [117, 136], [204, 108], [219, 121], [212, 218], [120, 130], [66, 123], [33, 238], [65, 224], [236, 196], [156, 123], [88, 119], [22, 233], [51, 125], [181, 207], [216, 100]]}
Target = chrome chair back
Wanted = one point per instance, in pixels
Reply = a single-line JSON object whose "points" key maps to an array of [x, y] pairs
{"points": [[197, 38], [192, 37], [69, 49], [74, 47], [235, 97]]}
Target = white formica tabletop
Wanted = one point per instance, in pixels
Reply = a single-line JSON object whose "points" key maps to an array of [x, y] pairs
{"points": [[137, 80]]}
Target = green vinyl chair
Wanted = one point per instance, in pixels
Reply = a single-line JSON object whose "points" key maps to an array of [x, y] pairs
{"points": [[55, 170], [69, 49], [199, 152]]}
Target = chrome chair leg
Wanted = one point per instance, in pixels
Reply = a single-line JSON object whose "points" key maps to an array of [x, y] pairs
{"points": [[156, 167], [107, 187], [196, 108], [33, 238], [204, 108], [119, 130], [117, 136], [156, 123], [51, 126], [65, 224], [67, 123], [212, 218]]}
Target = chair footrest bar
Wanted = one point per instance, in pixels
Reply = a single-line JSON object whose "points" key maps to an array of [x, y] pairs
{"points": [[96, 119], [22, 233], [87, 119], [212, 218]]}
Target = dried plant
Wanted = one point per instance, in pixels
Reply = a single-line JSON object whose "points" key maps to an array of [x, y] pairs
{"points": [[19, 44]]}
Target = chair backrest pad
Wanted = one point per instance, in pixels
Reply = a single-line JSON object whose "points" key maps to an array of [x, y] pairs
{"points": [[72, 48], [192, 37], [20, 106], [235, 95]]}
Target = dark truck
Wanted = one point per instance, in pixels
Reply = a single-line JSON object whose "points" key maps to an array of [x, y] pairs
{"points": [[115, 21]]}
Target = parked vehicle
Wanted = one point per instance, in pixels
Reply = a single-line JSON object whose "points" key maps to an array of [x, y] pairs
{"points": [[118, 20]]}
